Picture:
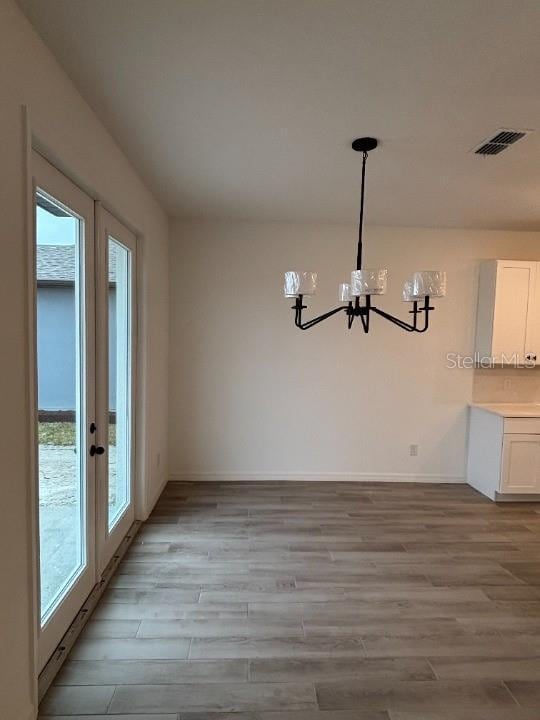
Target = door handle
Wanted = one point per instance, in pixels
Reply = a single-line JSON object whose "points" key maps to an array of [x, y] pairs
{"points": [[96, 450]]}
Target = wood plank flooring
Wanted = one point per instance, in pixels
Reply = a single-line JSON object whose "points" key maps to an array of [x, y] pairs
{"points": [[297, 601]]}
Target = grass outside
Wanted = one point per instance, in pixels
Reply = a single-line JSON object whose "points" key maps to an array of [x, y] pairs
{"points": [[62, 434]]}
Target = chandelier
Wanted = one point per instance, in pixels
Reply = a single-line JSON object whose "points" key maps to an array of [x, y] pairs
{"points": [[355, 297]]}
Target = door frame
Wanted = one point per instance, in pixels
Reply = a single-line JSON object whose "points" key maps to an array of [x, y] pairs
{"points": [[60, 188], [107, 225], [32, 141], [37, 153]]}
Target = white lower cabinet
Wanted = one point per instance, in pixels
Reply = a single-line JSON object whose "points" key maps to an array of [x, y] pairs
{"points": [[521, 464], [504, 455]]}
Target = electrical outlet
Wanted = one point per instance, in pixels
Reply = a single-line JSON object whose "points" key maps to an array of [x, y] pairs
{"points": [[158, 459], [507, 383], [413, 450]]}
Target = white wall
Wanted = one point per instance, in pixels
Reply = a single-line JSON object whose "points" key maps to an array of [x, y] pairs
{"points": [[63, 123], [500, 385], [251, 394]]}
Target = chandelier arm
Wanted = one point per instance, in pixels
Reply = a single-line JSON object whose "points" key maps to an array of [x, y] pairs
{"points": [[397, 321], [365, 322], [361, 219], [405, 325], [425, 309], [426, 320], [363, 312], [315, 321]]}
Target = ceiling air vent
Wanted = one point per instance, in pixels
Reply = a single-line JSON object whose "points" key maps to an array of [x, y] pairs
{"points": [[502, 140]]}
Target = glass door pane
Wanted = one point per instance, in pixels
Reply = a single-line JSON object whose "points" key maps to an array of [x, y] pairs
{"points": [[116, 259], [119, 436], [65, 400], [61, 321]]}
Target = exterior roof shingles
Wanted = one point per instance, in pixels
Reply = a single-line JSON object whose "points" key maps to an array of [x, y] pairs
{"points": [[56, 264]]}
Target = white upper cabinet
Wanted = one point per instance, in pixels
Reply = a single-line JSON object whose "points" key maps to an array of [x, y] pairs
{"points": [[508, 320]]}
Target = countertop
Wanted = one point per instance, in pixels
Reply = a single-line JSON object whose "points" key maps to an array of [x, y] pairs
{"points": [[510, 410]]}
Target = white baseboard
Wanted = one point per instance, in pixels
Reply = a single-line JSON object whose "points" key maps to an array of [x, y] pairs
{"points": [[316, 477]]}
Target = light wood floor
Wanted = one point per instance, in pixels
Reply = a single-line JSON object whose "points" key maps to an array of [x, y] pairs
{"points": [[297, 601]]}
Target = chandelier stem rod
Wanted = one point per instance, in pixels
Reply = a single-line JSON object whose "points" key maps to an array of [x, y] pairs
{"points": [[361, 220]]}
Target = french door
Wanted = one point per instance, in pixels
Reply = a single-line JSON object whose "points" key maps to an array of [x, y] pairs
{"points": [[85, 334], [115, 369]]}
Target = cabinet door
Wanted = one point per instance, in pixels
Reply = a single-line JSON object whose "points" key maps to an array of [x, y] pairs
{"points": [[521, 464], [514, 316]]}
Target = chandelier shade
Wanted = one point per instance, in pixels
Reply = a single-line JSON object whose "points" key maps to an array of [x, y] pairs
{"points": [[408, 292], [299, 283], [429, 282], [344, 293], [368, 282]]}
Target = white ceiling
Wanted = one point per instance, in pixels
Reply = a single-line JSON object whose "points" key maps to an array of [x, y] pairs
{"points": [[246, 108]]}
